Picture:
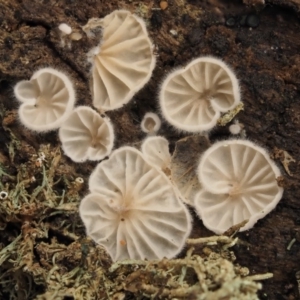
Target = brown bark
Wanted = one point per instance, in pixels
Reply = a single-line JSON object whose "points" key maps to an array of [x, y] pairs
{"points": [[266, 59]]}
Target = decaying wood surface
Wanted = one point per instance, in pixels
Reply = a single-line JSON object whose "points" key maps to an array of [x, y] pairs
{"points": [[261, 41]]}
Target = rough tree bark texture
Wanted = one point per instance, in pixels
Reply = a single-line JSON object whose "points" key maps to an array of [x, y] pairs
{"points": [[260, 41]]}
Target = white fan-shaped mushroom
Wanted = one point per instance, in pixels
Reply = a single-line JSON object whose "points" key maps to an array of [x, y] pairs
{"points": [[239, 183], [192, 98], [86, 135], [133, 210], [156, 151], [124, 60], [151, 123], [48, 99]]}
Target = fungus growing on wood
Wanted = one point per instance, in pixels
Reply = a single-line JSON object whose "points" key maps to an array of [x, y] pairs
{"points": [[192, 98], [156, 151], [47, 99], [65, 29], [132, 209], [239, 183], [86, 135], [236, 128], [151, 123], [123, 62]]}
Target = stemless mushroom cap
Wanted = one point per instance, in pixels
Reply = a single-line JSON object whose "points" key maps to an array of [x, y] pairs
{"points": [[192, 98], [133, 210], [47, 99], [123, 62], [156, 151], [86, 135], [239, 183]]}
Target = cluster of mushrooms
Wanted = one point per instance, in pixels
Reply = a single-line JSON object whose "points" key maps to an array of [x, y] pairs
{"points": [[136, 208]]}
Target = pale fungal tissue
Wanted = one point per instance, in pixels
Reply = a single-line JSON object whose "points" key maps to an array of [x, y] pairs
{"points": [[151, 123], [67, 35], [65, 29], [123, 62], [132, 209], [156, 151], [47, 99], [239, 183], [86, 135], [236, 128], [192, 98]]}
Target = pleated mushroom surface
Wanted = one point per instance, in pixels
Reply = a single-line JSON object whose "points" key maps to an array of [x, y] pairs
{"points": [[132, 209], [46, 99], [239, 183], [86, 135], [123, 62], [156, 151], [192, 98]]}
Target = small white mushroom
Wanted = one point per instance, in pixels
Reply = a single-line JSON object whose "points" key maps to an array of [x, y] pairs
{"points": [[123, 62], [47, 99], [151, 123], [156, 151], [239, 183], [133, 210], [192, 98], [236, 128], [65, 29], [3, 195], [86, 135], [79, 180], [78, 184]]}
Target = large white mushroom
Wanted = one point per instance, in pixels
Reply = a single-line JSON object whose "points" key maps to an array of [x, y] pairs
{"points": [[239, 183], [47, 99], [192, 98], [123, 62], [133, 210]]}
